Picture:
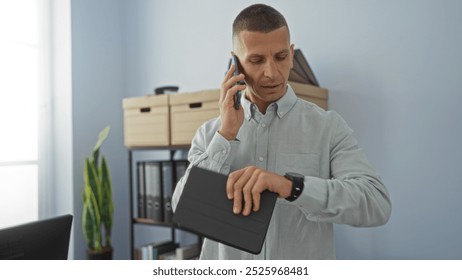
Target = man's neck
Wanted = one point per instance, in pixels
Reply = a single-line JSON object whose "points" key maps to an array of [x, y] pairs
{"points": [[261, 104]]}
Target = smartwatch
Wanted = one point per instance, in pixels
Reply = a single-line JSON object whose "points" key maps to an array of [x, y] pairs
{"points": [[297, 185]]}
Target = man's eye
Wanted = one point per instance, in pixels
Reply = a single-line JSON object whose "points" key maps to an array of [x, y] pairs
{"points": [[256, 61], [281, 57]]}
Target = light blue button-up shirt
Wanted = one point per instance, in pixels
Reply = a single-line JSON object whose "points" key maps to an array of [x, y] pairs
{"points": [[296, 136]]}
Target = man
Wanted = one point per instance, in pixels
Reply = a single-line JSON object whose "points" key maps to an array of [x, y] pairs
{"points": [[283, 144]]}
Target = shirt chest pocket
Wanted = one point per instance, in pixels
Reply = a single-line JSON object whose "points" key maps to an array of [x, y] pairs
{"points": [[305, 164]]}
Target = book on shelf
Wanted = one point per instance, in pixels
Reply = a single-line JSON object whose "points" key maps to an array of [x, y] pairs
{"points": [[168, 256], [153, 251], [188, 252], [302, 72]]}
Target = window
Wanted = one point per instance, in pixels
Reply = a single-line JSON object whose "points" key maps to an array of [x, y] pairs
{"points": [[21, 71]]}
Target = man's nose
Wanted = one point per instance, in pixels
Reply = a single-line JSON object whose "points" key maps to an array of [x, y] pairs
{"points": [[271, 68]]}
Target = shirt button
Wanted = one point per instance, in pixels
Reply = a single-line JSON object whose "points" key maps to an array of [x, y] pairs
{"points": [[223, 152], [260, 158], [263, 124]]}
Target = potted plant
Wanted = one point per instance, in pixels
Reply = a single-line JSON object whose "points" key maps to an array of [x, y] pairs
{"points": [[98, 206]]}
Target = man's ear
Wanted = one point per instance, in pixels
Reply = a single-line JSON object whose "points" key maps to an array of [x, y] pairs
{"points": [[237, 46], [292, 52]]}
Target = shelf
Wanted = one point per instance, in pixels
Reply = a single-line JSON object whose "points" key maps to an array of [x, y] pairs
{"points": [[142, 155], [144, 221], [174, 147]]}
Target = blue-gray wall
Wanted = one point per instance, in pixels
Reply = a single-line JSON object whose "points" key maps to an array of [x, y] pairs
{"points": [[392, 69], [98, 87]]}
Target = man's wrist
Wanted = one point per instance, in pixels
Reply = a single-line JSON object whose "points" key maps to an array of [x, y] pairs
{"points": [[228, 136], [287, 188], [297, 185]]}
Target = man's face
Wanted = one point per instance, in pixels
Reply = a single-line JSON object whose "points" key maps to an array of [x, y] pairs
{"points": [[266, 60]]}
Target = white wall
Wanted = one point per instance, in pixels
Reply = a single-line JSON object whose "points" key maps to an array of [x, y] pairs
{"points": [[57, 176], [392, 69]]}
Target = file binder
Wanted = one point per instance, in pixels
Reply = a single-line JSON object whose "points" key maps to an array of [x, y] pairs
{"points": [[153, 182], [180, 169], [167, 186], [141, 197]]}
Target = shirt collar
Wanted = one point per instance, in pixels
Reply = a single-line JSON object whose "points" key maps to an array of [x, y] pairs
{"points": [[283, 105]]}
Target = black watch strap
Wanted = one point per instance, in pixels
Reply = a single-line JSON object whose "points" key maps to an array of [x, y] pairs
{"points": [[297, 185]]}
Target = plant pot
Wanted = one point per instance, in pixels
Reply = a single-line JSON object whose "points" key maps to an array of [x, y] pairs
{"points": [[106, 254]]}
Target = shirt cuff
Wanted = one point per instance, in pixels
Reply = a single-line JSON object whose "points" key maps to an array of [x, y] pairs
{"points": [[314, 196]]}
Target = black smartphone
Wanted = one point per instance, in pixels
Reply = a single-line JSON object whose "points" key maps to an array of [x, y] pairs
{"points": [[237, 97]]}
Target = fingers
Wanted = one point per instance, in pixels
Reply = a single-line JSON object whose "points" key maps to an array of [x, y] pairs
{"points": [[229, 80], [228, 74], [228, 97], [232, 178], [250, 192], [244, 187], [231, 119], [233, 190], [228, 85]]}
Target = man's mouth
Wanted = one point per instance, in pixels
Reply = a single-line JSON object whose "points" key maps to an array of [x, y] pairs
{"points": [[270, 86]]}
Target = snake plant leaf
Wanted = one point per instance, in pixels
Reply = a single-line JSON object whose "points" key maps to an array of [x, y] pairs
{"points": [[92, 179], [91, 220], [98, 205], [88, 222], [92, 215], [101, 137], [107, 208]]}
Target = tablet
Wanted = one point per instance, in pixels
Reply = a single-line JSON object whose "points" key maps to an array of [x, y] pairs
{"points": [[204, 209]]}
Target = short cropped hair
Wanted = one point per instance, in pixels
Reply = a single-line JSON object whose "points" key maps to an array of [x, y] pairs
{"points": [[258, 18]]}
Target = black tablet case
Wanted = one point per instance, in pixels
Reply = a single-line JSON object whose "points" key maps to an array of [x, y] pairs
{"points": [[204, 209]]}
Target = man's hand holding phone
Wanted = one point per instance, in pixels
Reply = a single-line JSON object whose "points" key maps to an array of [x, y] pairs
{"points": [[231, 117]]}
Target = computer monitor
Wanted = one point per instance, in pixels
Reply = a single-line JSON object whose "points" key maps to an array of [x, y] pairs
{"points": [[46, 239]]}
